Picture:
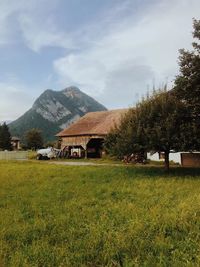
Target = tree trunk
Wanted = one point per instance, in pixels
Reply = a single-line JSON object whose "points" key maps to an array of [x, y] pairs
{"points": [[167, 160]]}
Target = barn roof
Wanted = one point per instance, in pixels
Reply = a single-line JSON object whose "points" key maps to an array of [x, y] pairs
{"points": [[94, 123]]}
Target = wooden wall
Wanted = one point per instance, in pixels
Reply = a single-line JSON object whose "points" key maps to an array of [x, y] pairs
{"points": [[190, 159], [78, 140]]}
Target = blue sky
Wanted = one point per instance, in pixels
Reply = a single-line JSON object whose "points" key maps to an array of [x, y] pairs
{"points": [[114, 50]]}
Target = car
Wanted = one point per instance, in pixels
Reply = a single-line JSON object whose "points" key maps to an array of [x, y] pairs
{"points": [[47, 153]]}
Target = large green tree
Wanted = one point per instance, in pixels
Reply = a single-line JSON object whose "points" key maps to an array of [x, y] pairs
{"points": [[34, 139], [154, 125], [5, 138], [127, 137], [187, 88], [161, 117]]}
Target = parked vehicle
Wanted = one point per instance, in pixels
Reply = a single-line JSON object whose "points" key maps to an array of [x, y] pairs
{"points": [[47, 153]]}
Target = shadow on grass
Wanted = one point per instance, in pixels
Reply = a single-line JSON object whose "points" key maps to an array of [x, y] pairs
{"points": [[174, 172]]}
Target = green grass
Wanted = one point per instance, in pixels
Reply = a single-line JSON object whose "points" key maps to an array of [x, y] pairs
{"points": [[98, 216], [105, 159]]}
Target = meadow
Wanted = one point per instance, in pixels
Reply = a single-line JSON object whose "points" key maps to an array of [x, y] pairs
{"points": [[54, 215]]}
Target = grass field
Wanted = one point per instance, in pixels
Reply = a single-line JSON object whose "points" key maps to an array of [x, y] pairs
{"points": [[98, 216]]}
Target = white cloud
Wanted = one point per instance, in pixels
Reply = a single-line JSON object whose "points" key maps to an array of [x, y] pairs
{"points": [[86, 71], [32, 21], [38, 33], [130, 54], [6, 10], [14, 101]]}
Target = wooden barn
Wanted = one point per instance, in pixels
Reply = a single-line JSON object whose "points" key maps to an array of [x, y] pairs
{"points": [[85, 137]]}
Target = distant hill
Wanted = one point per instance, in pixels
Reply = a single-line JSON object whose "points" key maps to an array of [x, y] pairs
{"points": [[54, 111]]}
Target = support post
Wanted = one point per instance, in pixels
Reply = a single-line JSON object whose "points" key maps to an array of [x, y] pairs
{"points": [[86, 153]]}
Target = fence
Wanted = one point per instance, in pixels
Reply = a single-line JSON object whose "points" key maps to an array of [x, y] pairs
{"points": [[13, 155]]}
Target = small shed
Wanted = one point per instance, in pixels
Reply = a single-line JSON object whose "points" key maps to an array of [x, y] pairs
{"points": [[85, 137], [15, 141], [190, 159]]}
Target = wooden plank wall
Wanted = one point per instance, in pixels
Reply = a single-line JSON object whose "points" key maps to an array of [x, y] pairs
{"points": [[78, 140], [190, 159]]}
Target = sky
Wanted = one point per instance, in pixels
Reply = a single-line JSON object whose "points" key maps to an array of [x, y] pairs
{"points": [[113, 50]]}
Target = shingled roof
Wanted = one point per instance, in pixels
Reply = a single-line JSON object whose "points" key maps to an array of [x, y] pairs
{"points": [[94, 123]]}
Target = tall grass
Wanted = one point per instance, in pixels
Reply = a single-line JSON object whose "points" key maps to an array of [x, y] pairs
{"points": [[98, 216]]}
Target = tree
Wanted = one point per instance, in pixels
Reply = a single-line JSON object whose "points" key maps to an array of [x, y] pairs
{"points": [[162, 116], [154, 125], [187, 88], [34, 139], [5, 138], [119, 141]]}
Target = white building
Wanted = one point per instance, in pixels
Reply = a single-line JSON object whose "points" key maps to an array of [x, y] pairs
{"points": [[186, 159]]}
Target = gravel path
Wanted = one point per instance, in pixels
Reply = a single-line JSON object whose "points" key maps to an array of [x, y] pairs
{"points": [[81, 163]]}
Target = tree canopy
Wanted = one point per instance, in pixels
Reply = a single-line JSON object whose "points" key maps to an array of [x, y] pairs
{"points": [[34, 139], [153, 125], [187, 88]]}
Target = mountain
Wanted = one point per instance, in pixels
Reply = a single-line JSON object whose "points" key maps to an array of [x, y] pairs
{"points": [[54, 111], [7, 122]]}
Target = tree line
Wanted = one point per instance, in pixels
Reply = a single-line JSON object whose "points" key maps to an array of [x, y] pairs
{"points": [[166, 120], [33, 139], [5, 137]]}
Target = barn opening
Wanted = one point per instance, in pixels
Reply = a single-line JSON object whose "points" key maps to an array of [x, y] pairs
{"points": [[95, 147]]}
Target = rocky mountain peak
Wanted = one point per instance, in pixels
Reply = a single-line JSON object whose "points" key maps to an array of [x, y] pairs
{"points": [[46, 95], [55, 110], [72, 91]]}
